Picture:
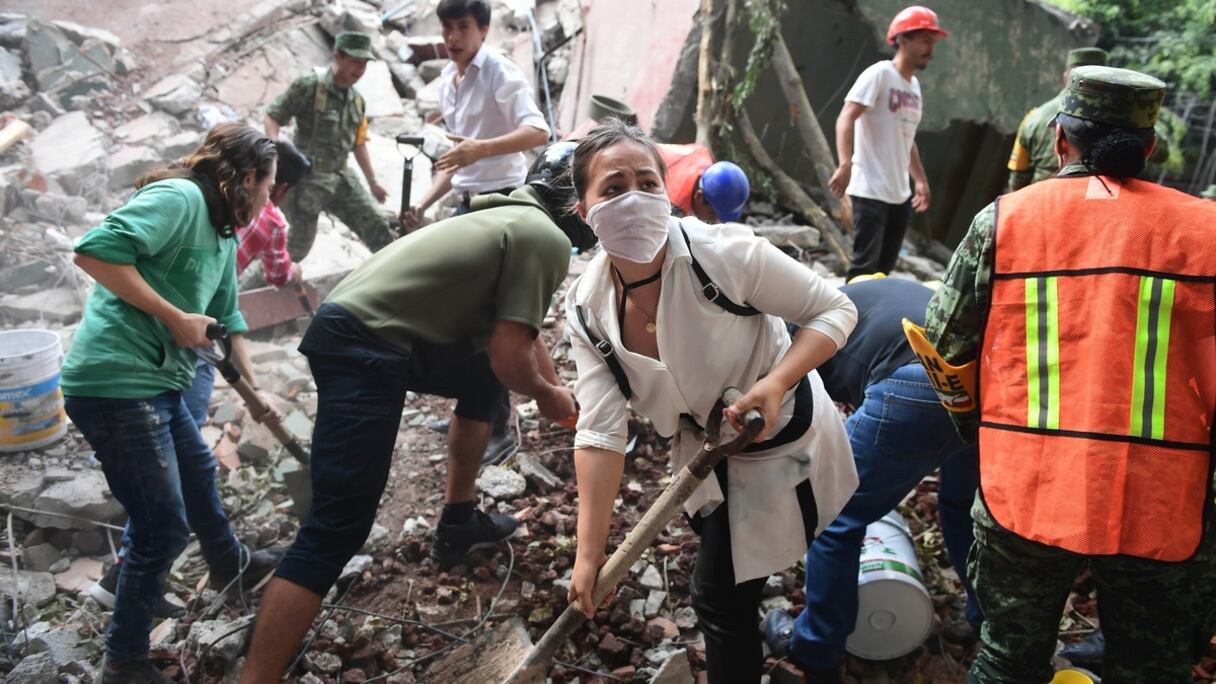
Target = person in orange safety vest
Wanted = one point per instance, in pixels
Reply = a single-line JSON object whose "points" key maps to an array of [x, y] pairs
{"points": [[1075, 335]]}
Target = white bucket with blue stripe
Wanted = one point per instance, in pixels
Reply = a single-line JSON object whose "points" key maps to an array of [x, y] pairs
{"points": [[895, 612], [31, 403]]}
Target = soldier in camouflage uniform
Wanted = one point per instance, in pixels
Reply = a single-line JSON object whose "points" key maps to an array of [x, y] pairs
{"points": [[1148, 607], [330, 124], [1034, 146]]}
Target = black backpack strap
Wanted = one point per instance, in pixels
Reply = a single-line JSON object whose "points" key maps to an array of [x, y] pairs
{"points": [[606, 352], [711, 291]]}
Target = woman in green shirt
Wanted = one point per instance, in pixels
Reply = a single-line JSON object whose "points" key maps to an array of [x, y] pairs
{"points": [[165, 269]]}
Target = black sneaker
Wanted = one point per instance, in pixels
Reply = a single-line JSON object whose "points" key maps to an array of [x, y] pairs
{"points": [[451, 543], [135, 672], [499, 449], [103, 592], [253, 568], [778, 628]]}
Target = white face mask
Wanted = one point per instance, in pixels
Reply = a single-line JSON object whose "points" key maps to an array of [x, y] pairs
{"points": [[633, 226]]}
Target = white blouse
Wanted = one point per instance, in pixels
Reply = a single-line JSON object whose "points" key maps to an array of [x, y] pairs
{"points": [[706, 349]]}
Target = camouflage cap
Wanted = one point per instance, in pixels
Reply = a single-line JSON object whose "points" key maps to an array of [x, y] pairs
{"points": [[1116, 97], [352, 44], [1090, 56]]}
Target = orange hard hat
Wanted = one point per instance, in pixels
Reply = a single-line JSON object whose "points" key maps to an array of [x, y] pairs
{"points": [[914, 18]]}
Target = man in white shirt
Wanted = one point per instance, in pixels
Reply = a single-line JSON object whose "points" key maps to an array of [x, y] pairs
{"points": [[488, 108], [876, 144]]}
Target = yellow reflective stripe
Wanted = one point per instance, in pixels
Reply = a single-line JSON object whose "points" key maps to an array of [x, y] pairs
{"points": [[1032, 353], [1053, 355], [1165, 304], [1154, 311]]}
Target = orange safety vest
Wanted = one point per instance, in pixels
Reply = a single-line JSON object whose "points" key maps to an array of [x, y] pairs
{"points": [[1097, 381], [685, 164]]}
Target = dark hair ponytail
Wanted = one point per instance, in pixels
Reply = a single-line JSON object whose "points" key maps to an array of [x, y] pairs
{"points": [[1108, 150], [1120, 154]]}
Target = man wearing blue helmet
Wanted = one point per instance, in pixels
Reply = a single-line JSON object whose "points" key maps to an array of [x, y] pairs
{"points": [[713, 192]]}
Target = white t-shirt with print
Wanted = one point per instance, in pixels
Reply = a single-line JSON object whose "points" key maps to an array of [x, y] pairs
{"points": [[883, 135]]}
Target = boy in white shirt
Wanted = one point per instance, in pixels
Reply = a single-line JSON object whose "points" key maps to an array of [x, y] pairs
{"points": [[876, 144], [489, 110]]}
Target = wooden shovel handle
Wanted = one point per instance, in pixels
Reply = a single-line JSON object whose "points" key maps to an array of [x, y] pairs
{"points": [[642, 535]]}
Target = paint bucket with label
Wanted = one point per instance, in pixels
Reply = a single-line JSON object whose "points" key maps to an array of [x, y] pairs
{"points": [[31, 403], [895, 612]]}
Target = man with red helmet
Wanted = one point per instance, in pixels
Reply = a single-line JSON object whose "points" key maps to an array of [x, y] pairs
{"points": [[876, 143]]}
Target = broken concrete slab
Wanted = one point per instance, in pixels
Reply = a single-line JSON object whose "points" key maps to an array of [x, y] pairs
{"points": [[149, 129], [38, 668], [180, 145], [86, 497], [72, 152], [129, 163], [34, 273], [79, 34], [221, 638], [797, 237], [298, 424], [59, 305], [379, 95], [37, 588], [430, 69], [500, 483], [675, 670], [541, 477], [177, 94], [356, 566], [40, 557], [79, 576], [13, 90], [62, 643]]}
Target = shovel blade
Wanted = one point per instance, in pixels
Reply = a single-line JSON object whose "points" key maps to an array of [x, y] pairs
{"points": [[488, 659], [299, 486]]}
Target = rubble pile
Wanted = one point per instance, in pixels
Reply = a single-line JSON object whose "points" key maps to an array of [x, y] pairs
{"points": [[101, 116]]}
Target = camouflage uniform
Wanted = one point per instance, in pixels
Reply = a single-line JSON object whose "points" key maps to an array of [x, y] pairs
{"points": [[1151, 610], [1034, 147], [329, 125]]}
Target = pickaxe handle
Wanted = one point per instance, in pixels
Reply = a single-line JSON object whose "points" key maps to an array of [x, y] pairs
{"points": [[640, 538], [257, 408]]}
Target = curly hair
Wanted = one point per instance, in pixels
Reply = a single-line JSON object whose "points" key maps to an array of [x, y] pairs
{"points": [[229, 153]]}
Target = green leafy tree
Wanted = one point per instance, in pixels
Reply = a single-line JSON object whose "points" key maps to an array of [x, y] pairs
{"points": [[1172, 39]]}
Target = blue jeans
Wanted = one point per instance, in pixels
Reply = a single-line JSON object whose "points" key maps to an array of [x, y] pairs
{"points": [[160, 470], [899, 435], [197, 399]]}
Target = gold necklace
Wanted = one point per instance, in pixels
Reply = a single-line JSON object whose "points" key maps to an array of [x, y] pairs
{"points": [[651, 324]]}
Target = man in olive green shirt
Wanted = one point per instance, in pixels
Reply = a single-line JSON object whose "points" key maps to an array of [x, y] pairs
{"points": [[452, 310], [330, 124]]}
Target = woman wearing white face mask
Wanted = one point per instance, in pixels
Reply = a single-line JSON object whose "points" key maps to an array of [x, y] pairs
{"points": [[673, 312]]}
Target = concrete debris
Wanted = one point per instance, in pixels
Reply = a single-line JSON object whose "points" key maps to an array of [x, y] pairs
{"points": [[40, 557], [344, 15], [85, 498], [651, 579], [63, 643], [654, 603], [71, 152], [37, 588], [32, 274], [79, 576], [675, 670], [162, 642], [222, 639], [500, 483], [177, 94], [377, 539], [13, 90], [323, 663], [356, 566], [180, 145], [59, 305], [430, 69], [38, 668], [129, 163], [797, 237], [541, 477], [149, 129], [298, 424]]}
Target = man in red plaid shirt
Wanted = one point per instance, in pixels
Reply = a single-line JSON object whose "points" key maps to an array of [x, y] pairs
{"points": [[266, 237]]}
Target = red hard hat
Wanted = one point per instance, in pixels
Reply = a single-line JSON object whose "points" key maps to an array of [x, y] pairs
{"points": [[914, 18]]}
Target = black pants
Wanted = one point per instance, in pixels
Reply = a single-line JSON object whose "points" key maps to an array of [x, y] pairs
{"points": [[361, 386], [729, 613], [878, 233]]}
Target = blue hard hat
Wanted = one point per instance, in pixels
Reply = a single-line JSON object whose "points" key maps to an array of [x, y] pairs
{"points": [[726, 189]]}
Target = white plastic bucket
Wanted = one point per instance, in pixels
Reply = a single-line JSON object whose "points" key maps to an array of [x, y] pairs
{"points": [[895, 612], [31, 403]]}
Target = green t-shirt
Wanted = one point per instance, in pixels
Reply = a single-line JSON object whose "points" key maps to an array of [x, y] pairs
{"points": [[450, 282], [165, 232]]}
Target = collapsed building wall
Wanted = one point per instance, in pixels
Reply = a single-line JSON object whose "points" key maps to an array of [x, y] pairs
{"points": [[1002, 57]]}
